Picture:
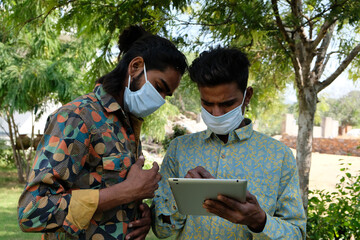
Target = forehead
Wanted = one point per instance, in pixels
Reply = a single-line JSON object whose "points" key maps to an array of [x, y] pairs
{"points": [[220, 93]]}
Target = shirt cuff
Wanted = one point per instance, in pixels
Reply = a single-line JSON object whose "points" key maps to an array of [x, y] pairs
{"points": [[83, 205], [266, 227], [171, 211], [269, 229]]}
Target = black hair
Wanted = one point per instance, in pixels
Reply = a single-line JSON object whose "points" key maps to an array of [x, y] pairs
{"points": [[220, 65], [158, 53]]}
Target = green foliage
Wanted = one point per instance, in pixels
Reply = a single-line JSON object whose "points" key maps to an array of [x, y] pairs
{"points": [[322, 108], [37, 67], [336, 215], [154, 125], [346, 109], [187, 96], [270, 120], [99, 22], [178, 131], [6, 155]]}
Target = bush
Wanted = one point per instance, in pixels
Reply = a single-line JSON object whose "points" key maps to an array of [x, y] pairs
{"points": [[6, 155], [335, 215], [178, 131]]}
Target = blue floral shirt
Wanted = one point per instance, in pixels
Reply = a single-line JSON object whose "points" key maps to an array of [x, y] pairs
{"points": [[267, 164]]}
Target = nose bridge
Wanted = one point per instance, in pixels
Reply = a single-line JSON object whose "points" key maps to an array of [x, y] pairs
{"points": [[217, 110]]}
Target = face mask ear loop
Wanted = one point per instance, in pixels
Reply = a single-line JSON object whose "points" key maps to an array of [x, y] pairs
{"points": [[129, 81], [146, 80], [244, 97], [243, 101]]}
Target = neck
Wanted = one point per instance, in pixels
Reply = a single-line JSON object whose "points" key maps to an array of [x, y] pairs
{"points": [[120, 99], [225, 137]]}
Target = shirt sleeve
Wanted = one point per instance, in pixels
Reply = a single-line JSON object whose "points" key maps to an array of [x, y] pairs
{"points": [[164, 202], [289, 220], [49, 203]]}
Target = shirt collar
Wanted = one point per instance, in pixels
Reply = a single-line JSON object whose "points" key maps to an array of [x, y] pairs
{"points": [[242, 133], [106, 100]]}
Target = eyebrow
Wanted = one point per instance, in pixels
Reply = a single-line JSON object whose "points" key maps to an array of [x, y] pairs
{"points": [[168, 92], [231, 101]]}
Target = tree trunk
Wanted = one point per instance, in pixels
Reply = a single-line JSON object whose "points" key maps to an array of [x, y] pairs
{"points": [[307, 106], [13, 146]]}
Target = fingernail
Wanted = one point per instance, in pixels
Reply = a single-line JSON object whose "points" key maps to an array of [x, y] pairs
{"points": [[128, 237], [130, 226]]}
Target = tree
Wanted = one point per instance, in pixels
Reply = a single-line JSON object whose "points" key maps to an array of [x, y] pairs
{"points": [[346, 109], [291, 36], [100, 23], [36, 66]]}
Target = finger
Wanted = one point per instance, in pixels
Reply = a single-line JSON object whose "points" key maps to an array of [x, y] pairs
{"points": [[194, 174], [219, 209], [138, 233], [141, 237], [158, 177], [140, 161], [155, 167], [229, 202], [146, 221], [204, 173], [145, 210], [250, 198]]}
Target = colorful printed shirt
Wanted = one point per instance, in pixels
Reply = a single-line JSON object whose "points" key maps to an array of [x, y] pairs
{"points": [[88, 144], [267, 164]]}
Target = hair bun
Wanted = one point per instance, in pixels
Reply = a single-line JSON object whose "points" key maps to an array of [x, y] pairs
{"points": [[129, 36]]}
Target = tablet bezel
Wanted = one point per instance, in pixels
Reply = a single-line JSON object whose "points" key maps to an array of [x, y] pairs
{"points": [[190, 193]]}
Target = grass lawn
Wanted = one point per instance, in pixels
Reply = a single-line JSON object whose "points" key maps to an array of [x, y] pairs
{"points": [[10, 191]]}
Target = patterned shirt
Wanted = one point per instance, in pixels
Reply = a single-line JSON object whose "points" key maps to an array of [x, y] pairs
{"points": [[88, 144], [266, 163]]}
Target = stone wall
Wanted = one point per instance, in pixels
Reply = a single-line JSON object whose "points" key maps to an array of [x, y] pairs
{"points": [[329, 127], [336, 146]]}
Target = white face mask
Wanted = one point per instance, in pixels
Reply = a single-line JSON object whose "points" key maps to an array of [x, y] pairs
{"points": [[144, 101], [226, 123]]}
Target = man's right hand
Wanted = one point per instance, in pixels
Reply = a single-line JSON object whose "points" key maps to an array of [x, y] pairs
{"points": [[143, 182], [198, 172], [139, 184]]}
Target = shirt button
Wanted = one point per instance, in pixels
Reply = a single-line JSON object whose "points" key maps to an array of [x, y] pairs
{"points": [[174, 207], [173, 226], [222, 155]]}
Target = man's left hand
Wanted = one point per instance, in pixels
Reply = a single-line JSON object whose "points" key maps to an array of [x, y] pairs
{"points": [[247, 213], [142, 225]]}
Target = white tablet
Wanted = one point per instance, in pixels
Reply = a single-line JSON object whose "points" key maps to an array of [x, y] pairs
{"points": [[190, 193]]}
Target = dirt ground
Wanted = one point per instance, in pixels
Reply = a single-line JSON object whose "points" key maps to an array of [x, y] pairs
{"points": [[325, 169]]}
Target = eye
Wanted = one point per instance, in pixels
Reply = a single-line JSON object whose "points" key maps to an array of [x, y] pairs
{"points": [[206, 103], [159, 88], [227, 104]]}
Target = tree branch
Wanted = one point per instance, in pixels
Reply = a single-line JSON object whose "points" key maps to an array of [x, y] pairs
{"points": [[322, 33], [321, 85], [321, 53], [296, 9], [281, 25]]}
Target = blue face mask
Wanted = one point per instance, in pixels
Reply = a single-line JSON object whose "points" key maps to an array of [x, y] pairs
{"points": [[226, 123], [144, 101]]}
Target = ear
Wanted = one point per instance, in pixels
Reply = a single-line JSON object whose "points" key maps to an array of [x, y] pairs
{"points": [[249, 93], [136, 66]]}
